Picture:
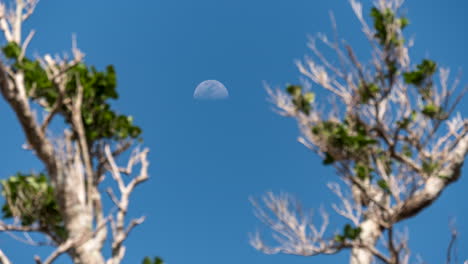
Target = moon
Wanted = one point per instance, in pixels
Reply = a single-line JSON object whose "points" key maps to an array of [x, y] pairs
{"points": [[211, 90]]}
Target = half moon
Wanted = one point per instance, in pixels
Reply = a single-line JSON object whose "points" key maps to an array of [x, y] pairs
{"points": [[211, 90]]}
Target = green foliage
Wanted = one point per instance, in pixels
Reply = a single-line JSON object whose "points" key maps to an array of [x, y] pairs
{"points": [[12, 50], [424, 71], [339, 238], [367, 92], [300, 100], [362, 171], [309, 97], [427, 67], [422, 78], [328, 159], [404, 22], [382, 21], [350, 140], [349, 232], [429, 166], [100, 121], [406, 150], [31, 199], [403, 124], [36, 77], [383, 185], [294, 90], [435, 112], [156, 260], [430, 110]]}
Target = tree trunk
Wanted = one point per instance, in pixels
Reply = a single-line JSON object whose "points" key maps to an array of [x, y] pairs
{"points": [[370, 232], [78, 216], [87, 254]]}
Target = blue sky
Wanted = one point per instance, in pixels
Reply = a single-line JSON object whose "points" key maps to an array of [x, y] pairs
{"points": [[207, 158]]}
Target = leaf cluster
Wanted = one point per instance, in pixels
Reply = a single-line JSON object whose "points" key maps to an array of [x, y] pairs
{"points": [[30, 198], [423, 72], [403, 124], [422, 79], [363, 171], [368, 91], [382, 22], [100, 121], [300, 99], [156, 260], [351, 140], [349, 232], [429, 166]]}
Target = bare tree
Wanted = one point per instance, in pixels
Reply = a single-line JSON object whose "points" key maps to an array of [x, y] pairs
{"points": [[64, 202], [389, 131]]}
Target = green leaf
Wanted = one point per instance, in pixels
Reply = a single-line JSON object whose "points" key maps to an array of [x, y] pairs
{"points": [[429, 166], [427, 67], [424, 71], [300, 101], [294, 90], [383, 185], [367, 92], [362, 171], [157, 260], [403, 124], [12, 50], [430, 110], [309, 97], [34, 202], [315, 130], [302, 104], [404, 22], [406, 150], [339, 238], [328, 159], [415, 78], [350, 232]]}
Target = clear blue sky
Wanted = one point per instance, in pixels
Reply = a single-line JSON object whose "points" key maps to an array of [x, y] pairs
{"points": [[207, 158]]}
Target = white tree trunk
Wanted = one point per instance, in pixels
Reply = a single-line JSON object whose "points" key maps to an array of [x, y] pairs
{"points": [[78, 216], [370, 232]]}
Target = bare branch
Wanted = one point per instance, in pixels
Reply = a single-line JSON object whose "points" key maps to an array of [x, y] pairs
{"points": [[64, 247], [16, 228], [25, 44], [119, 232], [3, 258], [350, 209], [294, 230], [450, 248]]}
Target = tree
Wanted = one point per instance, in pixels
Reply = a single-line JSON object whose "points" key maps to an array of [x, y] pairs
{"points": [[63, 202], [156, 260], [390, 132]]}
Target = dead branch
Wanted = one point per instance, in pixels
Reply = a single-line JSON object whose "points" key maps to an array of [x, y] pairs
{"points": [[119, 231], [3, 258]]}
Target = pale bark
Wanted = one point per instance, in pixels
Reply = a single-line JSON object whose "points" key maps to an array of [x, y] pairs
{"points": [[370, 233], [3, 258], [412, 159], [69, 161]]}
